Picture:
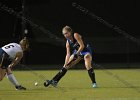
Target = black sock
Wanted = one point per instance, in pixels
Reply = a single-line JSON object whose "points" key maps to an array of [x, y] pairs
{"points": [[60, 74], [92, 75]]}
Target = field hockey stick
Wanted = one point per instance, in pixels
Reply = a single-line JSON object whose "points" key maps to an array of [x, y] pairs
{"points": [[70, 62]]}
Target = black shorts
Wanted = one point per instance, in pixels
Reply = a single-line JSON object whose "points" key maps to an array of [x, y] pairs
{"points": [[4, 59]]}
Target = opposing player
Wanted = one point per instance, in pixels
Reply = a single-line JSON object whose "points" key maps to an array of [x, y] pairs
{"points": [[77, 49], [10, 55]]}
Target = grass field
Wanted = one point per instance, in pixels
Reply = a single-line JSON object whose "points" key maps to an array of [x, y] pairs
{"points": [[123, 84]]}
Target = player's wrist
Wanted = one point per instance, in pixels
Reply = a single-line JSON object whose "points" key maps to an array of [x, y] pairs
{"points": [[77, 53]]}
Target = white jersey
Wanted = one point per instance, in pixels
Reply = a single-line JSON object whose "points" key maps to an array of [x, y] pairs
{"points": [[11, 49]]}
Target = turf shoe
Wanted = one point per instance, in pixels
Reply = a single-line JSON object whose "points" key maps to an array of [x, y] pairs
{"points": [[54, 83], [94, 85]]}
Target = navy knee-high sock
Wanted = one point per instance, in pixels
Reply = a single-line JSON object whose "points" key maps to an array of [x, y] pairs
{"points": [[60, 74], [92, 75]]}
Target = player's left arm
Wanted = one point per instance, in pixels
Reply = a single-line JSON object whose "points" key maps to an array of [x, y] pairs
{"points": [[80, 42], [17, 59]]}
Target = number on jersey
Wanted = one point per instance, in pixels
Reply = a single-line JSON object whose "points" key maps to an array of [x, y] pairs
{"points": [[9, 46]]}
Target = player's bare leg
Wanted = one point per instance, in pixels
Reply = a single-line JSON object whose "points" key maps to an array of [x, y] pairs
{"points": [[13, 80], [88, 65]]}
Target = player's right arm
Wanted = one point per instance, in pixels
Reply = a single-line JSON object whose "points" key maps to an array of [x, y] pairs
{"points": [[67, 53]]}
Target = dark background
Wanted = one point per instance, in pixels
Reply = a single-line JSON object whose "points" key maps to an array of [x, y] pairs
{"points": [[53, 15]]}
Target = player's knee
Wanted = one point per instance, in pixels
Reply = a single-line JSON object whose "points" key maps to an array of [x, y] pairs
{"points": [[88, 57], [68, 66]]}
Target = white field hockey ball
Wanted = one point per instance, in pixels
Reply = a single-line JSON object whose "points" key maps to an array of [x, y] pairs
{"points": [[36, 83]]}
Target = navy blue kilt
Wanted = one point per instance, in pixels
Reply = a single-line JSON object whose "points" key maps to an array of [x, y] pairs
{"points": [[4, 59], [88, 49]]}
